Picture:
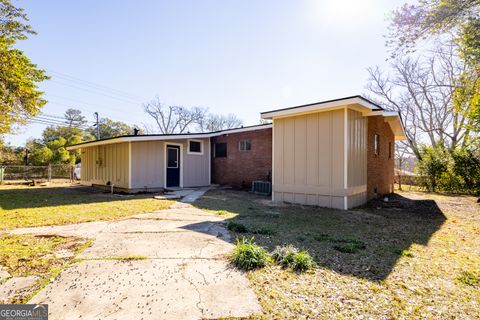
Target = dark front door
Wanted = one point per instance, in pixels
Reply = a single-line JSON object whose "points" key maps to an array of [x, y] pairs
{"points": [[173, 166]]}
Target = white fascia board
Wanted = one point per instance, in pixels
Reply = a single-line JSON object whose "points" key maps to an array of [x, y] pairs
{"points": [[166, 138], [136, 138], [229, 131], [318, 107]]}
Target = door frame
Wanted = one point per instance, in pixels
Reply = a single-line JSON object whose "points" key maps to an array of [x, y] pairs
{"points": [[180, 158]]}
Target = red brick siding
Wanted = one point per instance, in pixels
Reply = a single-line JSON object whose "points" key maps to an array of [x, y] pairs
{"points": [[240, 168], [380, 167]]}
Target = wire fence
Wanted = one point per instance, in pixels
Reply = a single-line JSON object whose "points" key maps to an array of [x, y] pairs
{"points": [[44, 173]]}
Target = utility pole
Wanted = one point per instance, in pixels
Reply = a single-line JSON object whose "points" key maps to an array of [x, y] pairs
{"points": [[26, 156], [97, 125]]}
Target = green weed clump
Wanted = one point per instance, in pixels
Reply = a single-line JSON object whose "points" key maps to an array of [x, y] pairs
{"points": [[343, 245], [283, 255], [264, 231], [248, 256], [470, 278], [302, 261], [289, 256], [237, 227]]}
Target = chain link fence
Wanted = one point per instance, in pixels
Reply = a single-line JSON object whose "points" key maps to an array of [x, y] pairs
{"points": [[43, 173]]}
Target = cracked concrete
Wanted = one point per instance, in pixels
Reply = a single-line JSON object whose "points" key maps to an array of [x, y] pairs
{"points": [[14, 286], [185, 274]]}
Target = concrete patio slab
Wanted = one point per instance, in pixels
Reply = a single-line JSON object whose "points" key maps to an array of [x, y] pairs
{"points": [[85, 230], [149, 289], [166, 245], [184, 272], [12, 286]]}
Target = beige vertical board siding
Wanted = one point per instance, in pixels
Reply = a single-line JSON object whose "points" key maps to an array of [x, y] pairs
{"points": [[114, 166], [148, 166], [309, 159], [196, 166], [357, 158], [277, 159]]}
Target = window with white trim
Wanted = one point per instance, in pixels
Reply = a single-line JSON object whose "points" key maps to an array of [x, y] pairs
{"points": [[195, 147], [244, 145]]}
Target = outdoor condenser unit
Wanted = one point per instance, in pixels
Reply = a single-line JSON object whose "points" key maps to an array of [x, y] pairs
{"points": [[262, 187]]}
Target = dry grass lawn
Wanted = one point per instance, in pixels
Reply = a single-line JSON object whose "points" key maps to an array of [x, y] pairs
{"points": [[23, 206], [417, 256]]}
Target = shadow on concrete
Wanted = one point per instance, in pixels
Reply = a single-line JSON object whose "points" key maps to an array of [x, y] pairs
{"points": [[386, 229]]}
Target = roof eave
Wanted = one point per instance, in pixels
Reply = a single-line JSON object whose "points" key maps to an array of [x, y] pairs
{"points": [[322, 107]]}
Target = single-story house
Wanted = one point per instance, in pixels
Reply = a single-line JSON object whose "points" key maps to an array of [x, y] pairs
{"points": [[336, 153]]}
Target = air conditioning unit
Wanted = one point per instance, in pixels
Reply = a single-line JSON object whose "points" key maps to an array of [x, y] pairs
{"points": [[262, 187]]}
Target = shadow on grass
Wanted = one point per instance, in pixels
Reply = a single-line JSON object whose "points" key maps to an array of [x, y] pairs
{"points": [[365, 243], [30, 197]]}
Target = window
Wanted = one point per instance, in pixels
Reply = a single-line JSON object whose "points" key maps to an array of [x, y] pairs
{"points": [[195, 147], [220, 150], [376, 145], [244, 145], [172, 158], [390, 150]]}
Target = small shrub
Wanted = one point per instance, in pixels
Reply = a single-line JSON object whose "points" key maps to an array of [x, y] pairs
{"points": [[264, 230], [248, 256], [284, 255], [470, 278], [237, 227], [222, 212], [302, 261]]}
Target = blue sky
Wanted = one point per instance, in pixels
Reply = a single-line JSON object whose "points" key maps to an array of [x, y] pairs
{"points": [[239, 57]]}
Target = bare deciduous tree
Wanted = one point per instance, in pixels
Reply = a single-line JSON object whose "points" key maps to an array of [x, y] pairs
{"points": [[422, 89], [216, 122], [173, 119]]}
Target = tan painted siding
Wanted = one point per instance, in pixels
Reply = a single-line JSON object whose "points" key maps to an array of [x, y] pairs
{"points": [[102, 164], [357, 158], [147, 164], [309, 159], [196, 167]]}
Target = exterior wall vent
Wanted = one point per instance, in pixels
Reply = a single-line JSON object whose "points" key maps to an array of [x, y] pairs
{"points": [[262, 187]]}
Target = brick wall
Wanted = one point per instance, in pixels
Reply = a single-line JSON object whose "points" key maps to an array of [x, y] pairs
{"points": [[380, 167], [240, 168]]}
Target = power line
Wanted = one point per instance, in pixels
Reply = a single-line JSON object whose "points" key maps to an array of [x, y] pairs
{"points": [[52, 117], [94, 105], [65, 125], [57, 121], [97, 92], [95, 85]]}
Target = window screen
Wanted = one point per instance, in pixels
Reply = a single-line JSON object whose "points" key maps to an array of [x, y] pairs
{"points": [[220, 150], [195, 146], [244, 145]]}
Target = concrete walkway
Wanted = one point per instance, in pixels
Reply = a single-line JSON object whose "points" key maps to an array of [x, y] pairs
{"points": [[180, 270]]}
